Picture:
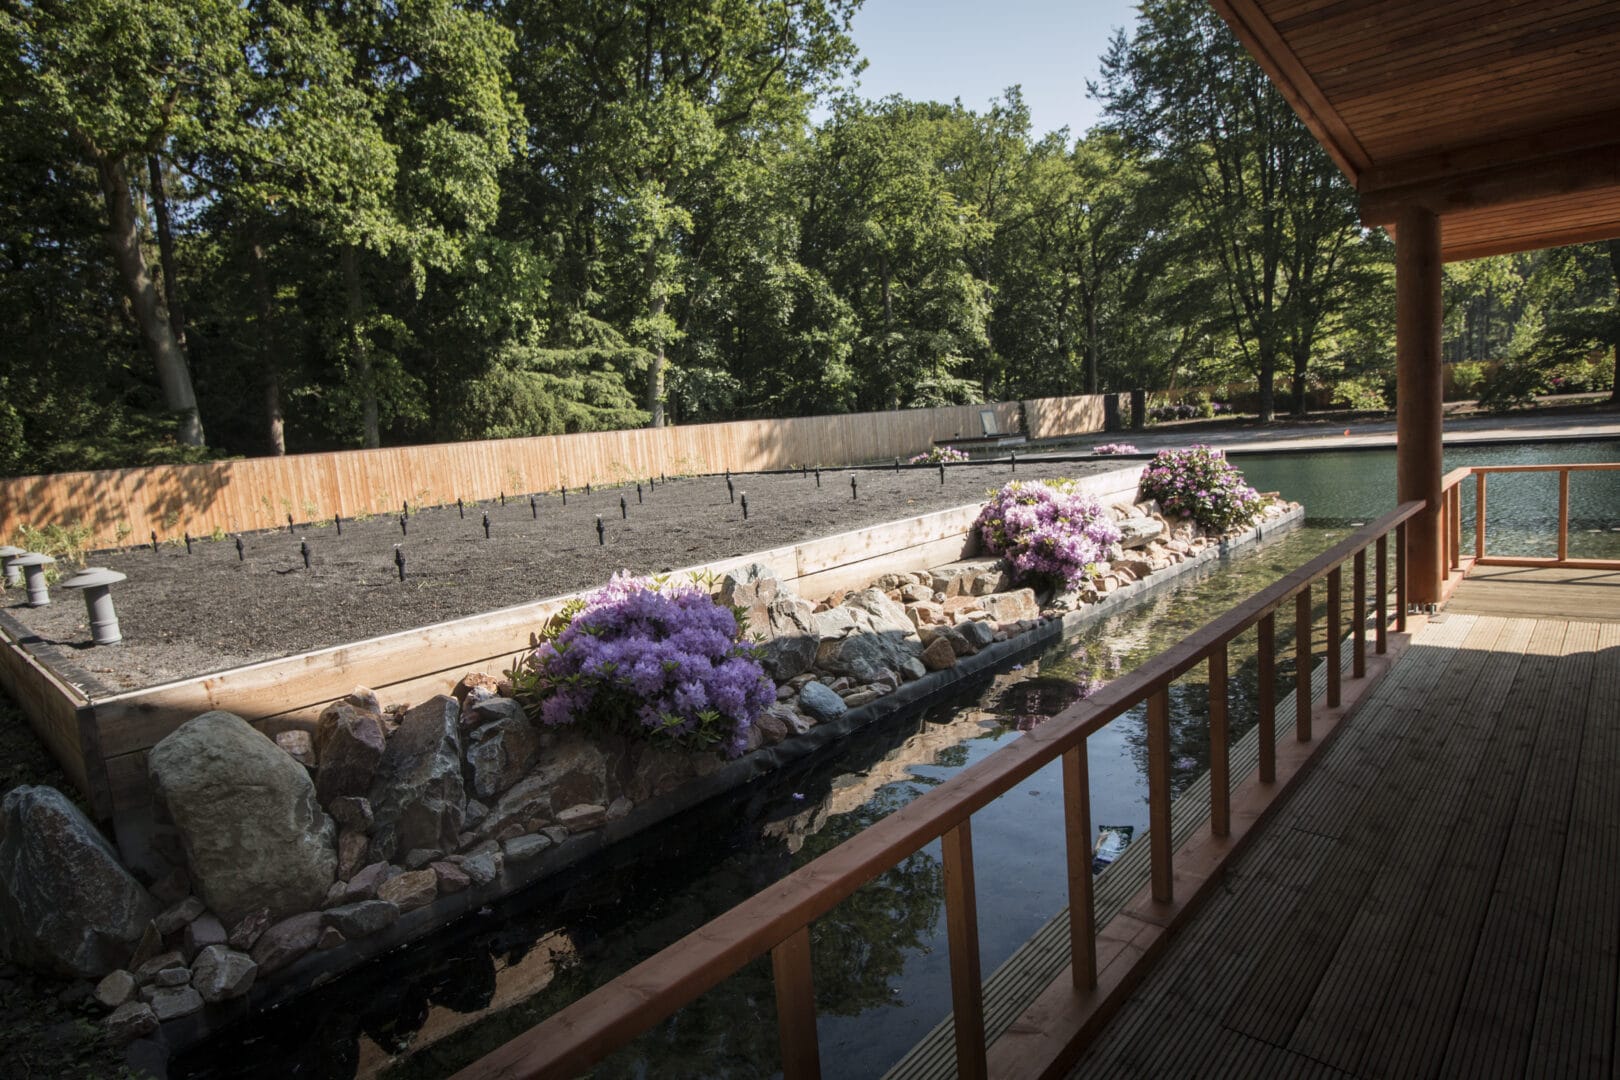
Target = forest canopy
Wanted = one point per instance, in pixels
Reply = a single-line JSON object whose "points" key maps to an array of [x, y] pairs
{"points": [[254, 226]]}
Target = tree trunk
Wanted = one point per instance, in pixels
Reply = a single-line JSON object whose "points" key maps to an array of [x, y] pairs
{"points": [[655, 373], [1091, 347], [360, 347], [167, 353], [888, 329], [1268, 394], [1297, 382], [274, 421], [166, 259], [1614, 264]]}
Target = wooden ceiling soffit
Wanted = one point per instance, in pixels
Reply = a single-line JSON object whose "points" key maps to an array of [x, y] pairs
{"points": [[1267, 46], [1487, 179]]}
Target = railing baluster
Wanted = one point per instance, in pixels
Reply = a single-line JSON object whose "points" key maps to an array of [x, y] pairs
{"points": [[1302, 665], [1082, 904], [796, 1007], [1358, 615], [1159, 792], [1220, 764], [1266, 648], [1381, 588], [962, 930], [1400, 577], [1445, 533], [1456, 527], [1563, 514], [1479, 515], [1335, 601]]}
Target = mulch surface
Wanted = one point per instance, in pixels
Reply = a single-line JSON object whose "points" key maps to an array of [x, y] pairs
{"points": [[185, 615]]}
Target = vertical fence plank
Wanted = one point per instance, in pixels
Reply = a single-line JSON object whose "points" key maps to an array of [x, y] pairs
{"points": [[1479, 515], [1381, 594], [1159, 792], [1302, 665], [1266, 706], [962, 930], [1358, 615], [796, 1007], [1400, 577], [1563, 514], [1077, 835], [1220, 768], [1335, 602]]}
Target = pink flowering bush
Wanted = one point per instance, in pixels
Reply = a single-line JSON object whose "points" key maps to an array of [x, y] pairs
{"points": [[1199, 483], [1111, 449], [936, 454], [662, 660], [1047, 533]]}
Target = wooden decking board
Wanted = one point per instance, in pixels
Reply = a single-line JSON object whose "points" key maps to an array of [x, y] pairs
{"points": [[1506, 924], [1338, 1023], [1526, 592]]}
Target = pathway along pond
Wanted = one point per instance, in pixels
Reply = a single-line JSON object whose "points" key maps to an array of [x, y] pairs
{"points": [[880, 960]]}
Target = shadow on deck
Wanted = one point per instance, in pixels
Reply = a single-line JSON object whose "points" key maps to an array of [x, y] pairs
{"points": [[1439, 894]]}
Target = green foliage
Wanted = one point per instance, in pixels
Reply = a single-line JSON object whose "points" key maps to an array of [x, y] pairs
{"points": [[1467, 377], [1364, 394], [64, 543], [1511, 386]]}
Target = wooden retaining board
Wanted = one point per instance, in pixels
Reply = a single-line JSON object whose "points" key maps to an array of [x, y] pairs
{"points": [[102, 743]]}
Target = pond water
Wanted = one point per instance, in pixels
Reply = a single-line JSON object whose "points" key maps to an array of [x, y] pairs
{"points": [[880, 960]]}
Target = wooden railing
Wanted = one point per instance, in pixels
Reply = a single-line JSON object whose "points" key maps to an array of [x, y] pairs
{"points": [[778, 919], [1481, 557]]}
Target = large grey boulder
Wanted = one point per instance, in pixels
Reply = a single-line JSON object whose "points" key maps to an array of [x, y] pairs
{"points": [[881, 638], [349, 743], [820, 702], [755, 585], [789, 636], [500, 752], [66, 903], [418, 797], [1135, 532], [253, 832]]}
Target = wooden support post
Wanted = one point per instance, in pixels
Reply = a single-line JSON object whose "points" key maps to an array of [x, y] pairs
{"points": [[1220, 765], [1381, 588], [1563, 514], [962, 931], [1082, 903], [1418, 451], [1400, 577], [1456, 527], [1479, 515], [796, 1007], [1335, 601], [1158, 734], [1302, 665], [1266, 706], [1358, 615]]}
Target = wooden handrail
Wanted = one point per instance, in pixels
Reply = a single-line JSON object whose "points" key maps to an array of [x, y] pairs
{"points": [[1480, 474], [775, 920]]}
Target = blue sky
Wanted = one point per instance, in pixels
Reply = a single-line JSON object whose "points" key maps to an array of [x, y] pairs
{"points": [[973, 49]]}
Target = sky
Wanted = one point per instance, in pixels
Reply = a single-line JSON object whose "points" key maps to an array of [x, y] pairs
{"points": [[939, 50]]}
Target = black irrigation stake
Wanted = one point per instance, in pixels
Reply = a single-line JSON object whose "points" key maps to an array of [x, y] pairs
{"points": [[290, 530], [405, 508], [601, 531], [240, 555], [565, 494], [818, 476], [854, 490], [461, 510], [624, 508], [587, 487], [154, 541], [534, 508], [402, 530], [486, 524], [745, 505], [638, 492], [1015, 460], [399, 561], [503, 498], [731, 492], [942, 474], [303, 549], [804, 472], [897, 465], [188, 543], [337, 519]]}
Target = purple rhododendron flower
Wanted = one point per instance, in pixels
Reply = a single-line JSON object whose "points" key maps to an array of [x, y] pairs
{"points": [[1045, 533], [664, 659], [1199, 483]]}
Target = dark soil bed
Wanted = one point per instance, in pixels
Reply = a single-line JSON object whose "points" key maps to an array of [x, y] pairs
{"points": [[188, 615]]}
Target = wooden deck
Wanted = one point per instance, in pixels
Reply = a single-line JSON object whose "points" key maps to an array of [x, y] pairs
{"points": [[1440, 895], [1522, 592]]}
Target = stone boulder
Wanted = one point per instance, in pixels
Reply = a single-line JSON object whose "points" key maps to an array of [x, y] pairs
{"points": [[1135, 532], [499, 753], [417, 797], [755, 585], [1012, 606], [789, 634], [219, 973], [349, 743], [880, 637], [821, 702], [939, 655], [252, 830], [66, 903]]}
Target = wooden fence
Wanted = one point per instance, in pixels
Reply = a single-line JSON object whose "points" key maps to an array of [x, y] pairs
{"points": [[128, 505]]}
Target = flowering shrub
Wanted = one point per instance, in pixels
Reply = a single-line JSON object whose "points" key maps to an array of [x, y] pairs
{"points": [[664, 660], [936, 454], [1047, 532], [1110, 449], [1199, 483]]}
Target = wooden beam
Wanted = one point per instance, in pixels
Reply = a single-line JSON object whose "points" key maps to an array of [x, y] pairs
{"points": [[1418, 394], [1585, 133], [1274, 55], [1470, 245], [1501, 183]]}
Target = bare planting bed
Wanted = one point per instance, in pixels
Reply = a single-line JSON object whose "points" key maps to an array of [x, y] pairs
{"points": [[188, 615]]}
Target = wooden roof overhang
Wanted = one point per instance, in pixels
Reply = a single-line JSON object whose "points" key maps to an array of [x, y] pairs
{"points": [[1500, 116]]}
